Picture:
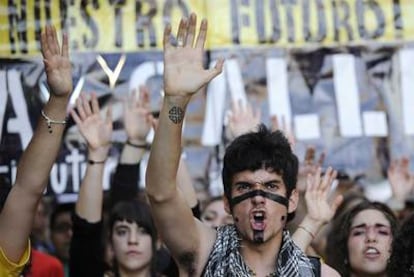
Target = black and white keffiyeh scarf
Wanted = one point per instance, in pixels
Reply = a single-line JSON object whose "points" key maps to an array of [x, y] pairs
{"points": [[226, 260]]}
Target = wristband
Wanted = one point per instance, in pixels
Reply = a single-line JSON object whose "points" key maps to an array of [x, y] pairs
{"points": [[96, 162], [307, 231], [143, 146]]}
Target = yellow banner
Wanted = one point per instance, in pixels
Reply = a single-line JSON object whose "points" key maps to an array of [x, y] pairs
{"points": [[131, 26], [93, 26], [286, 23]]}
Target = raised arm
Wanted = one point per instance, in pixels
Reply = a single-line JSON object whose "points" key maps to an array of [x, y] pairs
{"points": [[308, 166], [319, 210], [401, 181], [97, 132], [86, 248], [36, 162], [184, 75], [137, 123], [242, 119]]}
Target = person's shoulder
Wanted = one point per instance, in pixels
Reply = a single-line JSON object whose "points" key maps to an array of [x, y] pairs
{"points": [[44, 264], [327, 271], [9, 268], [45, 258]]}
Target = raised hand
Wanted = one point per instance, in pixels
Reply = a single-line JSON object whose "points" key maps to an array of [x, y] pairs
{"points": [[316, 196], [96, 130], [242, 119], [308, 166], [57, 65], [284, 128], [137, 116], [400, 178], [184, 73], [319, 210]]}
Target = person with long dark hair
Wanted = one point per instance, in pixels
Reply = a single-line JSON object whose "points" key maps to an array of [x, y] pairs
{"points": [[133, 239], [359, 243], [132, 235]]}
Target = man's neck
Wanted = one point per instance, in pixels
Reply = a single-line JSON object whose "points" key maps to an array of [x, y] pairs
{"points": [[261, 257]]}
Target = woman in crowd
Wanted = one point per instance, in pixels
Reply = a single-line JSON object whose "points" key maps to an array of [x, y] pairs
{"points": [[133, 239], [350, 199], [214, 214], [132, 235], [359, 244]]}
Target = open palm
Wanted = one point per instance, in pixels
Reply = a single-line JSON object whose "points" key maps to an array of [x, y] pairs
{"points": [[400, 178], [137, 116], [57, 63], [184, 73], [96, 130], [316, 196]]}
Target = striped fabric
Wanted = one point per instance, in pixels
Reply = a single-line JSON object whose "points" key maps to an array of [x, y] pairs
{"points": [[225, 259]]}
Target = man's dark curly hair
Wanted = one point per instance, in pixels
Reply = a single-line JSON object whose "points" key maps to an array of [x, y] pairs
{"points": [[401, 262], [263, 149], [337, 254]]}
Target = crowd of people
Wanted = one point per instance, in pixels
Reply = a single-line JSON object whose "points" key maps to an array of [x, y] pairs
{"points": [[278, 215]]}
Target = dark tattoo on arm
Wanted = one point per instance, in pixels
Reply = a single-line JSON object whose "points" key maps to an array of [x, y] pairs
{"points": [[176, 114]]}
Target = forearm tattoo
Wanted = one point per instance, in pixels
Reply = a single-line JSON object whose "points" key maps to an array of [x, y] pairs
{"points": [[176, 114]]}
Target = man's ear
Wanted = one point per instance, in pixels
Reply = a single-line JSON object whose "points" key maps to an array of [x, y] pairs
{"points": [[226, 205], [293, 201]]}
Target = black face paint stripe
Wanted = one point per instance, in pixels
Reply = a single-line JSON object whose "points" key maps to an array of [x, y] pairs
{"points": [[258, 236], [277, 198]]}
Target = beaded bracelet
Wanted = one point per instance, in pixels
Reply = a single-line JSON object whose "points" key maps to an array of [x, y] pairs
{"points": [[307, 231], [50, 121]]}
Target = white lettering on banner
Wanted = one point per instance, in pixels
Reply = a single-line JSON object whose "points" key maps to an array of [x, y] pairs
{"points": [[143, 72], [110, 166], [407, 89], [236, 86], [346, 92], [75, 94], [21, 123], [113, 75], [375, 123], [13, 166], [214, 117], [277, 91], [307, 126], [59, 178], [4, 169], [75, 159], [347, 96], [3, 98], [214, 114]]}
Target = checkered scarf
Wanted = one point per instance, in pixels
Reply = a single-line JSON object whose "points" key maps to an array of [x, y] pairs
{"points": [[225, 259]]}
